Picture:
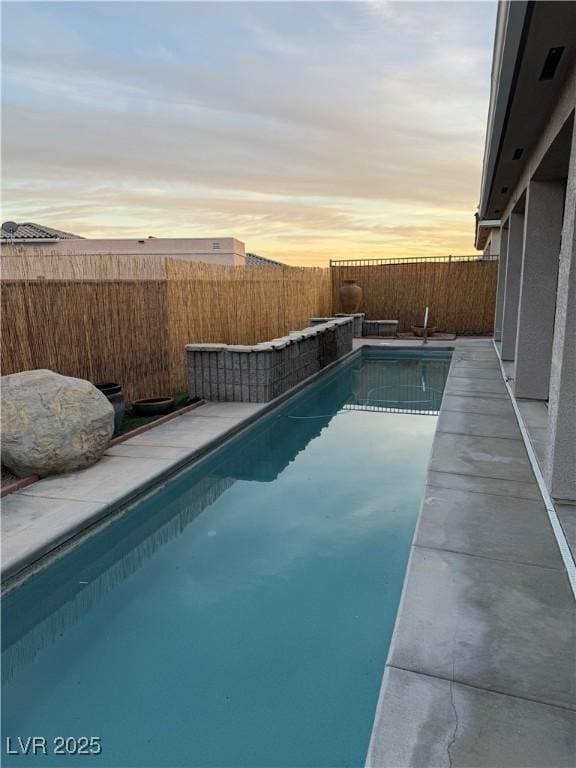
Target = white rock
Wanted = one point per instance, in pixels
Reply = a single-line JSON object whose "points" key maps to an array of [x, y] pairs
{"points": [[52, 423]]}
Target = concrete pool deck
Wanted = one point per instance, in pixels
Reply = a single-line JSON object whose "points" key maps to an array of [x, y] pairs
{"points": [[55, 510], [481, 668]]}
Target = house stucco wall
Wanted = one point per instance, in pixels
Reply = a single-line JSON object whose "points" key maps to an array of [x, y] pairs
{"points": [[560, 463], [502, 262], [538, 285], [492, 247], [539, 326], [512, 285]]}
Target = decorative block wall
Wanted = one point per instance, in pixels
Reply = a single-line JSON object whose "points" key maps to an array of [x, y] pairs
{"points": [[259, 373], [363, 327], [357, 317], [380, 328]]}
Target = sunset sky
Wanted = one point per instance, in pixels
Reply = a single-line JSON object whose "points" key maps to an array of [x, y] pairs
{"points": [[308, 130]]}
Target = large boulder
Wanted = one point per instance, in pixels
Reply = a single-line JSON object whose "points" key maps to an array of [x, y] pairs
{"points": [[52, 423]]}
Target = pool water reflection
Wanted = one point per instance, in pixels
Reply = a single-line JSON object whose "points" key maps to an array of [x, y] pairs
{"points": [[241, 615]]}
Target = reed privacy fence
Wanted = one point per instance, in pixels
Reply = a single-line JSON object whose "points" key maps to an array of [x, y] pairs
{"points": [[109, 318], [128, 319], [460, 291]]}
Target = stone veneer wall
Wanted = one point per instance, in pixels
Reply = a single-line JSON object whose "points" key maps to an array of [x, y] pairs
{"points": [[363, 327], [380, 328], [259, 373], [358, 318]]}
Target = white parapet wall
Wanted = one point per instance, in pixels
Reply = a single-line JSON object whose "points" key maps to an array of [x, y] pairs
{"points": [[261, 372]]}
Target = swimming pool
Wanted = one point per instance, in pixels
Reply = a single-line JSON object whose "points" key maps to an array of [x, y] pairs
{"points": [[241, 614]]}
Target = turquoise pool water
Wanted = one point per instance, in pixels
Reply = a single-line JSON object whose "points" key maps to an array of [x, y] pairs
{"points": [[240, 615]]}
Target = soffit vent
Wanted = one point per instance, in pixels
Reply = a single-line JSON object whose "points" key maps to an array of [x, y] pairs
{"points": [[551, 63]]}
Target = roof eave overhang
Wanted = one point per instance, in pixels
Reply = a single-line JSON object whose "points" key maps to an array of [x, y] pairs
{"points": [[507, 55], [483, 230]]}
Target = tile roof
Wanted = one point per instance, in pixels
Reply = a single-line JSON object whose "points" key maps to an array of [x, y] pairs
{"points": [[252, 260], [28, 231]]}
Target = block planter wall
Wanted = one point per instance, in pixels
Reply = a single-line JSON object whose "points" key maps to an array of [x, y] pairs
{"points": [[261, 372], [380, 328], [357, 317]]}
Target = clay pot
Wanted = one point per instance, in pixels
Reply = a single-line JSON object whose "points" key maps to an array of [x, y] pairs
{"points": [[153, 406], [418, 330], [350, 296]]}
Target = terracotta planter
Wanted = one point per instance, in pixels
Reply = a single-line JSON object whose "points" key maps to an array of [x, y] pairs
{"points": [[418, 330], [350, 296]]}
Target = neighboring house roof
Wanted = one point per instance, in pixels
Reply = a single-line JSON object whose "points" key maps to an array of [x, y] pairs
{"points": [[28, 232], [252, 260]]}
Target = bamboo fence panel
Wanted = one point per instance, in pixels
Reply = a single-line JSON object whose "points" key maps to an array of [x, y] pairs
{"points": [[244, 305], [127, 320], [232, 305], [461, 294], [19, 263], [98, 330]]}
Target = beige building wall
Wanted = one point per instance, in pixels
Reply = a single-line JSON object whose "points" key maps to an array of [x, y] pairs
{"points": [[224, 250]]}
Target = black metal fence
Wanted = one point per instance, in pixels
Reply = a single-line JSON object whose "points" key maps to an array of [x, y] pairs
{"points": [[409, 260]]}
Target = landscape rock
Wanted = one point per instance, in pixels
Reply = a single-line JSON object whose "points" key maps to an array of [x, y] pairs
{"points": [[52, 423]]}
